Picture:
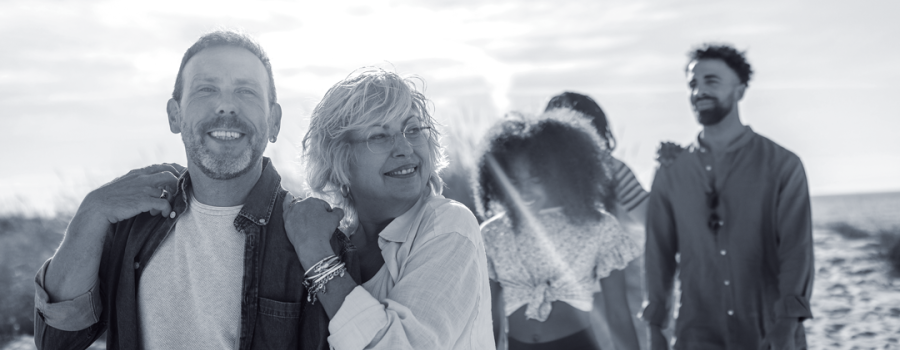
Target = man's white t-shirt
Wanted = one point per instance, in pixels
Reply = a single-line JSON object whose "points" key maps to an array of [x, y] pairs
{"points": [[190, 292]]}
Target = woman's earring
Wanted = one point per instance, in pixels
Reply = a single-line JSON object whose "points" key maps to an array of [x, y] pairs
{"points": [[345, 190], [273, 138]]}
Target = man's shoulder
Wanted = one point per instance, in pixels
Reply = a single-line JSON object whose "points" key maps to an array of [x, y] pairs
{"points": [[778, 153], [668, 153]]}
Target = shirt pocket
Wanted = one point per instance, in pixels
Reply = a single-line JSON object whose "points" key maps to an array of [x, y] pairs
{"points": [[277, 325]]}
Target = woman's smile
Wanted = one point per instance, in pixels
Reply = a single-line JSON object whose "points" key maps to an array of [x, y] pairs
{"points": [[402, 172]]}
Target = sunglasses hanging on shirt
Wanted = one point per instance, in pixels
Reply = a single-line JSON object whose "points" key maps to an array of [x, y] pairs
{"points": [[712, 201]]}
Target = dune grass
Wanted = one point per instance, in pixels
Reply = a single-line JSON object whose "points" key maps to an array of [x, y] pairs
{"points": [[25, 243], [888, 241], [889, 244]]}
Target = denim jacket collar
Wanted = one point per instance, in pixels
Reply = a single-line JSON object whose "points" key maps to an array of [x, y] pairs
{"points": [[259, 204]]}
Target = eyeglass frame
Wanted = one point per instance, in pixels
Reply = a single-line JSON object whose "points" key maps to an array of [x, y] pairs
{"points": [[393, 139]]}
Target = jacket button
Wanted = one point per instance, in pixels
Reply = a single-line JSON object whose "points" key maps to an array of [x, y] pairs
{"points": [[730, 312], [727, 282], [722, 252], [137, 265]]}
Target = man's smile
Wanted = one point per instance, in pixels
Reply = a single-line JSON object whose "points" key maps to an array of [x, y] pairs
{"points": [[705, 103], [225, 135]]}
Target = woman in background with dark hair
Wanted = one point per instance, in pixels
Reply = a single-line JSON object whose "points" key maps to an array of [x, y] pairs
{"points": [[630, 200], [549, 239], [628, 192]]}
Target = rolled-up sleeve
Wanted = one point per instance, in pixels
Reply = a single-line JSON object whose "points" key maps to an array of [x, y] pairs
{"points": [[68, 315], [431, 304], [795, 244], [660, 249]]}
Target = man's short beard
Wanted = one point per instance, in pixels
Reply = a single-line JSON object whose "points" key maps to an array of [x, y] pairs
{"points": [[219, 167], [715, 115], [222, 167]]}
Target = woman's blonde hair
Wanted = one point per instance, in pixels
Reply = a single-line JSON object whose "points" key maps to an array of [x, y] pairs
{"points": [[368, 96]]}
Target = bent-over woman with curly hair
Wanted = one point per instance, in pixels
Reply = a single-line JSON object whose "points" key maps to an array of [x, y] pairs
{"points": [[549, 239], [373, 157]]}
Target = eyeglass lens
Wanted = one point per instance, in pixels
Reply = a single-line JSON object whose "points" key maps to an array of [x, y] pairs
{"points": [[380, 142]]}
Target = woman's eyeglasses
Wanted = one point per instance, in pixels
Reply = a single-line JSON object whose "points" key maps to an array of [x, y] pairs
{"points": [[712, 201], [381, 142]]}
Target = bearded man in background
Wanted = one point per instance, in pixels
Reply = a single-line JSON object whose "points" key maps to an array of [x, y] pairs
{"points": [[734, 208]]}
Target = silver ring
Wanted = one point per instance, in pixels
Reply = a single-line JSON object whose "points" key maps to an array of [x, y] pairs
{"points": [[163, 194]]}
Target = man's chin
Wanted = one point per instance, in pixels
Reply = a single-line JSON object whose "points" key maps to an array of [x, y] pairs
{"points": [[711, 117], [709, 121], [225, 168], [217, 173]]}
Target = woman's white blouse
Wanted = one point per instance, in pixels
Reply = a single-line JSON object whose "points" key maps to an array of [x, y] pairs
{"points": [[431, 293], [553, 259]]}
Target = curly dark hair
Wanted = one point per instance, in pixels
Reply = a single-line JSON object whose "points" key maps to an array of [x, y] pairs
{"points": [[733, 58], [570, 162], [587, 106]]}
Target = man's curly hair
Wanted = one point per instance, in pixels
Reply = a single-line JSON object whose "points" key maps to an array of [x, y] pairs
{"points": [[733, 58], [568, 157]]}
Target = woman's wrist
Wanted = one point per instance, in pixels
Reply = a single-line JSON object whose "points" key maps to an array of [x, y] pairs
{"points": [[319, 274], [309, 257]]}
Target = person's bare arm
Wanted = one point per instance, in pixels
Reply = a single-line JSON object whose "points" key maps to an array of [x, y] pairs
{"points": [[617, 310]]}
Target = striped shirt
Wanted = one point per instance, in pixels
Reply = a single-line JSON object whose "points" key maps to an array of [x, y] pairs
{"points": [[629, 192]]}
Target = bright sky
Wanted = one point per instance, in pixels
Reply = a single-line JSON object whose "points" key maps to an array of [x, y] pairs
{"points": [[84, 87]]}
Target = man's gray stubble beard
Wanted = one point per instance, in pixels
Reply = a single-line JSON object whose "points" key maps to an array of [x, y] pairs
{"points": [[218, 167]]}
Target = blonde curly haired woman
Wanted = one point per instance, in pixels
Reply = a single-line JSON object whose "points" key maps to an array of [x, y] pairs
{"points": [[373, 158]]}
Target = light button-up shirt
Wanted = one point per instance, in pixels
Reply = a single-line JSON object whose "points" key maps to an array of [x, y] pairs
{"points": [[431, 293]]}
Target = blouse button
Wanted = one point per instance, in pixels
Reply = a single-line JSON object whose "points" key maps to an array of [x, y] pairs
{"points": [[722, 252], [727, 282], [708, 168], [730, 312]]}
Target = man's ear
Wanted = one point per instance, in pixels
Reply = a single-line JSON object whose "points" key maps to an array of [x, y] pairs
{"points": [[275, 120], [174, 112], [740, 91]]}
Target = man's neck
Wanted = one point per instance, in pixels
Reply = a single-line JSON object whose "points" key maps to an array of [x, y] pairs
{"points": [[224, 193], [718, 136]]}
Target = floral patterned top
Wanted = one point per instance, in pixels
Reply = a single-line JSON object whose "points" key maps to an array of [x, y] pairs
{"points": [[553, 259]]}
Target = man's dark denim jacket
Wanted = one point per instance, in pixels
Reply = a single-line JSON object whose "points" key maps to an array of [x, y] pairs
{"points": [[274, 311]]}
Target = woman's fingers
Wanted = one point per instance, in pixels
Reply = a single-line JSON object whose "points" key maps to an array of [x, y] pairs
{"points": [[286, 204], [338, 213]]}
